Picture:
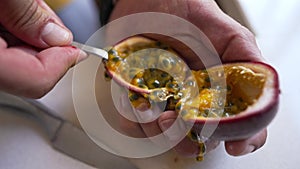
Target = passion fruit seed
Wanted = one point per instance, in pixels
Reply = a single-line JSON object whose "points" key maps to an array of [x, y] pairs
{"points": [[135, 73], [138, 101], [107, 77], [159, 95], [190, 113], [202, 151], [173, 87], [142, 86], [138, 81], [133, 96], [165, 62], [165, 75], [201, 144], [178, 106], [172, 103], [153, 83]]}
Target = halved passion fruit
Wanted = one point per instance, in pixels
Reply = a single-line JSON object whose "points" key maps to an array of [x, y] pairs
{"points": [[236, 109]]}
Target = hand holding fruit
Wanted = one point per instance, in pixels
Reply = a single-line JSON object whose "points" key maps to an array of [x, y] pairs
{"points": [[232, 41]]}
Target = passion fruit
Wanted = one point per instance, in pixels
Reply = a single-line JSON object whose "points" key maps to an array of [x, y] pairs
{"points": [[249, 99], [252, 101]]}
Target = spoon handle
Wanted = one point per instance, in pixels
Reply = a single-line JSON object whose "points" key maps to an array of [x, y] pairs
{"points": [[91, 50]]}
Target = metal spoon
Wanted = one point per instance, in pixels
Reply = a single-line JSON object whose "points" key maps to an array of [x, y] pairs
{"points": [[161, 94], [104, 55], [91, 50]]}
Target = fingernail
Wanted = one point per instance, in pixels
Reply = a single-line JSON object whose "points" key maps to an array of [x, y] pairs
{"points": [[145, 116], [248, 149], [172, 129], [82, 56], [231, 148], [55, 35]]}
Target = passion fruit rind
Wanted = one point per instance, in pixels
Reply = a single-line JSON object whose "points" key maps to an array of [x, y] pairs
{"points": [[251, 90], [251, 120]]}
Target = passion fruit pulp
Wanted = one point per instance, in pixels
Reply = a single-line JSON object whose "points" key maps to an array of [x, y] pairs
{"points": [[246, 104]]}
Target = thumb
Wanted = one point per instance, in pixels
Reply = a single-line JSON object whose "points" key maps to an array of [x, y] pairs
{"points": [[34, 24]]}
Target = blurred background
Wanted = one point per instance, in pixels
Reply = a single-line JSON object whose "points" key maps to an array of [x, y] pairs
{"points": [[24, 145]]}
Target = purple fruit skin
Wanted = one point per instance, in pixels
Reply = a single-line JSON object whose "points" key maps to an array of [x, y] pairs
{"points": [[245, 126]]}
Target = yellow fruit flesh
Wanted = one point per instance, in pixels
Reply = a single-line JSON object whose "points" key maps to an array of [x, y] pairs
{"points": [[244, 85]]}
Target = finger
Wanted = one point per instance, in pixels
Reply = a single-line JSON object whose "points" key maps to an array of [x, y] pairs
{"points": [[148, 120], [242, 48], [139, 120], [3, 44], [24, 74], [187, 148], [147, 114], [190, 148], [172, 126], [10, 39], [131, 128], [232, 41], [184, 145], [242, 147], [44, 5], [154, 128], [30, 22], [128, 123]]}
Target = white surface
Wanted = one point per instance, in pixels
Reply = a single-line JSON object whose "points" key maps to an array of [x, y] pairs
{"points": [[278, 32], [24, 145]]}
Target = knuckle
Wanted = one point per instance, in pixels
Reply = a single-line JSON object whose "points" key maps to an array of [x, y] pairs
{"points": [[26, 16], [246, 34]]}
